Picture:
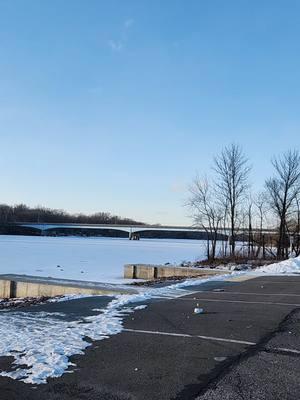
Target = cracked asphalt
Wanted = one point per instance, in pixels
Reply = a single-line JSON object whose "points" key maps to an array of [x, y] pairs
{"points": [[265, 372], [244, 346]]}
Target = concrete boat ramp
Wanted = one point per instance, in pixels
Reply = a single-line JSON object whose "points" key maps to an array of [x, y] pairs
{"points": [[12, 286]]}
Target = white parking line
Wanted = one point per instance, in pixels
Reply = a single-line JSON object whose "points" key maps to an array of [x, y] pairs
{"points": [[252, 293], [212, 338], [240, 301], [158, 333], [281, 282], [285, 350]]}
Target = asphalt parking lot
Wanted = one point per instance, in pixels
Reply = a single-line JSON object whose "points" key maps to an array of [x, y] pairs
{"points": [[244, 346]]}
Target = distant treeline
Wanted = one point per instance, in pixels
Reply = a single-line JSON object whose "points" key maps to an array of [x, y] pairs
{"points": [[23, 213]]}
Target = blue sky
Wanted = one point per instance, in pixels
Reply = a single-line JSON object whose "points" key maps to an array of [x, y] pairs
{"points": [[115, 105]]}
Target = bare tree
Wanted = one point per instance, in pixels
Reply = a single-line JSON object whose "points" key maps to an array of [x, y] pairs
{"points": [[261, 208], [232, 170], [297, 229], [250, 229], [293, 228], [206, 212], [283, 190]]}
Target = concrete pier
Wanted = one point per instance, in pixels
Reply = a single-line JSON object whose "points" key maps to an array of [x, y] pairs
{"points": [[148, 271], [12, 286]]}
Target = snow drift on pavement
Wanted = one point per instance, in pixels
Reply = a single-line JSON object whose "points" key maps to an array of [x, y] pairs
{"points": [[290, 266]]}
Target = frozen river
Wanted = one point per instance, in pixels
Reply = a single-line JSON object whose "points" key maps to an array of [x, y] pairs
{"points": [[91, 259]]}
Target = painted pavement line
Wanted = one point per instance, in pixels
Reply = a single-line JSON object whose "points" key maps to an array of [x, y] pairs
{"points": [[283, 349], [211, 338], [269, 282], [240, 301], [251, 293]]}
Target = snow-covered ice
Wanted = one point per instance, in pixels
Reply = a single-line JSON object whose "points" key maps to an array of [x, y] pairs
{"points": [[89, 259]]}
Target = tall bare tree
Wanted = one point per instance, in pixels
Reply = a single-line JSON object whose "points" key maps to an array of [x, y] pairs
{"points": [[250, 229], [206, 212], [232, 170], [297, 229], [283, 190], [261, 210]]}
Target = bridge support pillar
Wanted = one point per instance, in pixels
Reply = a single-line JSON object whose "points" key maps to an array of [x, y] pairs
{"points": [[134, 236]]}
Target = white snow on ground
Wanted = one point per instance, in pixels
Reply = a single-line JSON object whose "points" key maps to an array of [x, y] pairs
{"points": [[290, 266], [41, 343], [89, 259], [141, 307]]}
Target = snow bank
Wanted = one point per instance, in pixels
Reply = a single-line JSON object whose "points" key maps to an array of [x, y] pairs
{"points": [[290, 266]]}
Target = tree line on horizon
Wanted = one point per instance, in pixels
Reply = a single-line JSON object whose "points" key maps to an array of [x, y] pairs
{"points": [[224, 202], [24, 213]]}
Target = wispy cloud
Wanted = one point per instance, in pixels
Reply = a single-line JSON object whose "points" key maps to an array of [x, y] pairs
{"points": [[128, 23], [118, 44], [115, 45]]}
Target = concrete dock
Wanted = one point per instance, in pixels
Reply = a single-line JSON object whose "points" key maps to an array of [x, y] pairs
{"points": [[150, 271], [12, 286]]}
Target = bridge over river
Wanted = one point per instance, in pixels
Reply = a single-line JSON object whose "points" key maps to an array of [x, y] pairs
{"points": [[132, 230]]}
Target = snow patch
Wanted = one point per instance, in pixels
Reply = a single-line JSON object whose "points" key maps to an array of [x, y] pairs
{"points": [[43, 342], [290, 266], [141, 307]]}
